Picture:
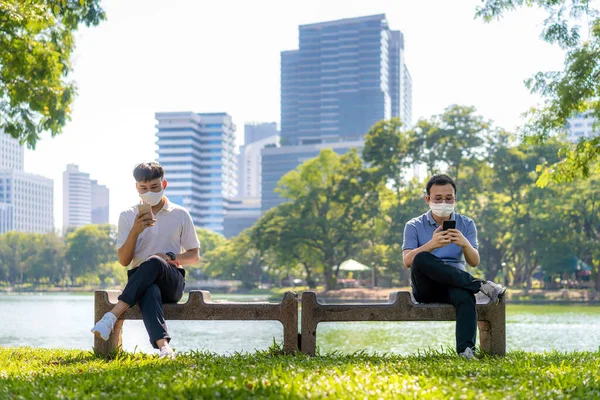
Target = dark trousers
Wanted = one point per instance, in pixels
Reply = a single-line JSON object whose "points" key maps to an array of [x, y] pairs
{"points": [[150, 285], [434, 281]]}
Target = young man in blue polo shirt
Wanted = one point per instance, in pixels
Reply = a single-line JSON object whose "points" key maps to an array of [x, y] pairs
{"points": [[437, 261]]}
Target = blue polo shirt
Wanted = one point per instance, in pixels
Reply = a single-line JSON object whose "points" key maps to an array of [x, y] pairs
{"points": [[419, 231]]}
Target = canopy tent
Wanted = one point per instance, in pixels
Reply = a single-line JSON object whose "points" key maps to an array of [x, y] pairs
{"points": [[353, 265]]}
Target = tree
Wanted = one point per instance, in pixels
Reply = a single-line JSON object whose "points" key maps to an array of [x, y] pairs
{"points": [[334, 202], [89, 248], [36, 42], [275, 237], [574, 90], [236, 258], [389, 149], [449, 139]]}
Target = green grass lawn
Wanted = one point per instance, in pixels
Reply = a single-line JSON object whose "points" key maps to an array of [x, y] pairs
{"points": [[27, 373]]}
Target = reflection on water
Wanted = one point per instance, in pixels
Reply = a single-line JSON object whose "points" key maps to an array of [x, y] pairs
{"points": [[64, 320]]}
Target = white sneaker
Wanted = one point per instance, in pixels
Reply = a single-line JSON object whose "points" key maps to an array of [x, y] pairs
{"points": [[493, 291], [104, 327], [166, 352], [469, 354]]}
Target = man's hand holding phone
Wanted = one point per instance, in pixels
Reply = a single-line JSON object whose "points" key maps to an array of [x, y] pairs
{"points": [[456, 237], [440, 238], [144, 219]]}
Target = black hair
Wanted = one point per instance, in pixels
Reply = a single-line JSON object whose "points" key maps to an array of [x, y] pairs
{"points": [[441, 180], [146, 172]]}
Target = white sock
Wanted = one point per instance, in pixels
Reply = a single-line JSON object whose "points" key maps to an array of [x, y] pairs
{"points": [[110, 316]]}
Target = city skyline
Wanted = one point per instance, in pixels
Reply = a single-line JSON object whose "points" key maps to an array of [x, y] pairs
{"points": [[127, 70]]}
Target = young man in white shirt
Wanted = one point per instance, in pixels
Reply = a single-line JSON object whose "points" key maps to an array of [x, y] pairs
{"points": [[154, 246]]}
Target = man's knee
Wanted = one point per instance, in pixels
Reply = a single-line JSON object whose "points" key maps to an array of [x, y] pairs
{"points": [[461, 296], [151, 264], [422, 259]]}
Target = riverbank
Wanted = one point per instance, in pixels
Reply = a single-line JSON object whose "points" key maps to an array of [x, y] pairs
{"points": [[27, 373], [517, 296], [512, 295]]}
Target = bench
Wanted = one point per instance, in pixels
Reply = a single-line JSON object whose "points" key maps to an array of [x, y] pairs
{"points": [[401, 306], [200, 306]]}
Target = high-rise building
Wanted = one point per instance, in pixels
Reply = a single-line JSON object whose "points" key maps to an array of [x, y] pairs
{"points": [[12, 154], [77, 198], [241, 214], [278, 161], [100, 203], [255, 131], [582, 126], [197, 151], [346, 76], [26, 200], [257, 136]]}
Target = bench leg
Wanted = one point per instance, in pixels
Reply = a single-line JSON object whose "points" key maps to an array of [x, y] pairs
{"points": [[309, 324], [492, 337], [289, 321], [113, 343]]}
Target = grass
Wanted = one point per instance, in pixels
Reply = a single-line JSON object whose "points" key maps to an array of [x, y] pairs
{"points": [[27, 373]]}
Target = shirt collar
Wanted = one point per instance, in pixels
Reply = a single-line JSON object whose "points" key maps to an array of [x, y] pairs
{"points": [[168, 206], [431, 220]]}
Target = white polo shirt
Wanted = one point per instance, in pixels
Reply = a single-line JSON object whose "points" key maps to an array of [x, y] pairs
{"points": [[173, 231]]}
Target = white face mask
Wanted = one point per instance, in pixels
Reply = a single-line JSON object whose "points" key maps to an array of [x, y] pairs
{"points": [[152, 198], [442, 210]]}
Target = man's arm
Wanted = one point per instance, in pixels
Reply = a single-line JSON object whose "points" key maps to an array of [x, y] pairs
{"points": [[127, 250], [471, 253], [191, 256], [440, 239], [409, 255]]}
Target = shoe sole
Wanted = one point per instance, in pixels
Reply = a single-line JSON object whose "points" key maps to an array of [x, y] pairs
{"points": [[99, 335]]}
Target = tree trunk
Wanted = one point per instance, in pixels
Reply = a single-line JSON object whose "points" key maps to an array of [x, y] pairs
{"points": [[309, 279]]}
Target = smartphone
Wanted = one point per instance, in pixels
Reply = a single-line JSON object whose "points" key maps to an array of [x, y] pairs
{"points": [[450, 224], [144, 208]]}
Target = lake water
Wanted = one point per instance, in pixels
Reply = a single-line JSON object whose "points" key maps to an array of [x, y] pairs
{"points": [[64, 321]]}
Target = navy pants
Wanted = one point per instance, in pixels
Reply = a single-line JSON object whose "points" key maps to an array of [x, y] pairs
{"points": [[434, 281], [149, 285]]}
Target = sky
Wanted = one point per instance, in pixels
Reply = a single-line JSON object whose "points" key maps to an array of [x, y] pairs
{"points": [[208, 56]]}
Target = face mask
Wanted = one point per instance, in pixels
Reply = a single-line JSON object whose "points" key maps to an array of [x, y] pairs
{"points": [[152, 198], [442, 210]]}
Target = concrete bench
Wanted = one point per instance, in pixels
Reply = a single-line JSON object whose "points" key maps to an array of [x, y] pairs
{"points": [[402, 307], [199, 306]]}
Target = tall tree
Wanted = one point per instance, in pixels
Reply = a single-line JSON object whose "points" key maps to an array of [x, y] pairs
{"points": [[275, 236], [390, 150], [335, 203], [575, 89], [448, 140], [36, 43]]}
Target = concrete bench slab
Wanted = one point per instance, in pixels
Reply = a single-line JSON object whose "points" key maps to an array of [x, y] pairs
{"points": [[401, 306], [200, 306]]}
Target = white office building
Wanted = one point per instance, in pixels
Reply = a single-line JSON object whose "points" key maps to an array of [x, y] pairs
{"points": [[12, 154], [197, 151], [77, 198], [26, 200], [250, 161]]}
